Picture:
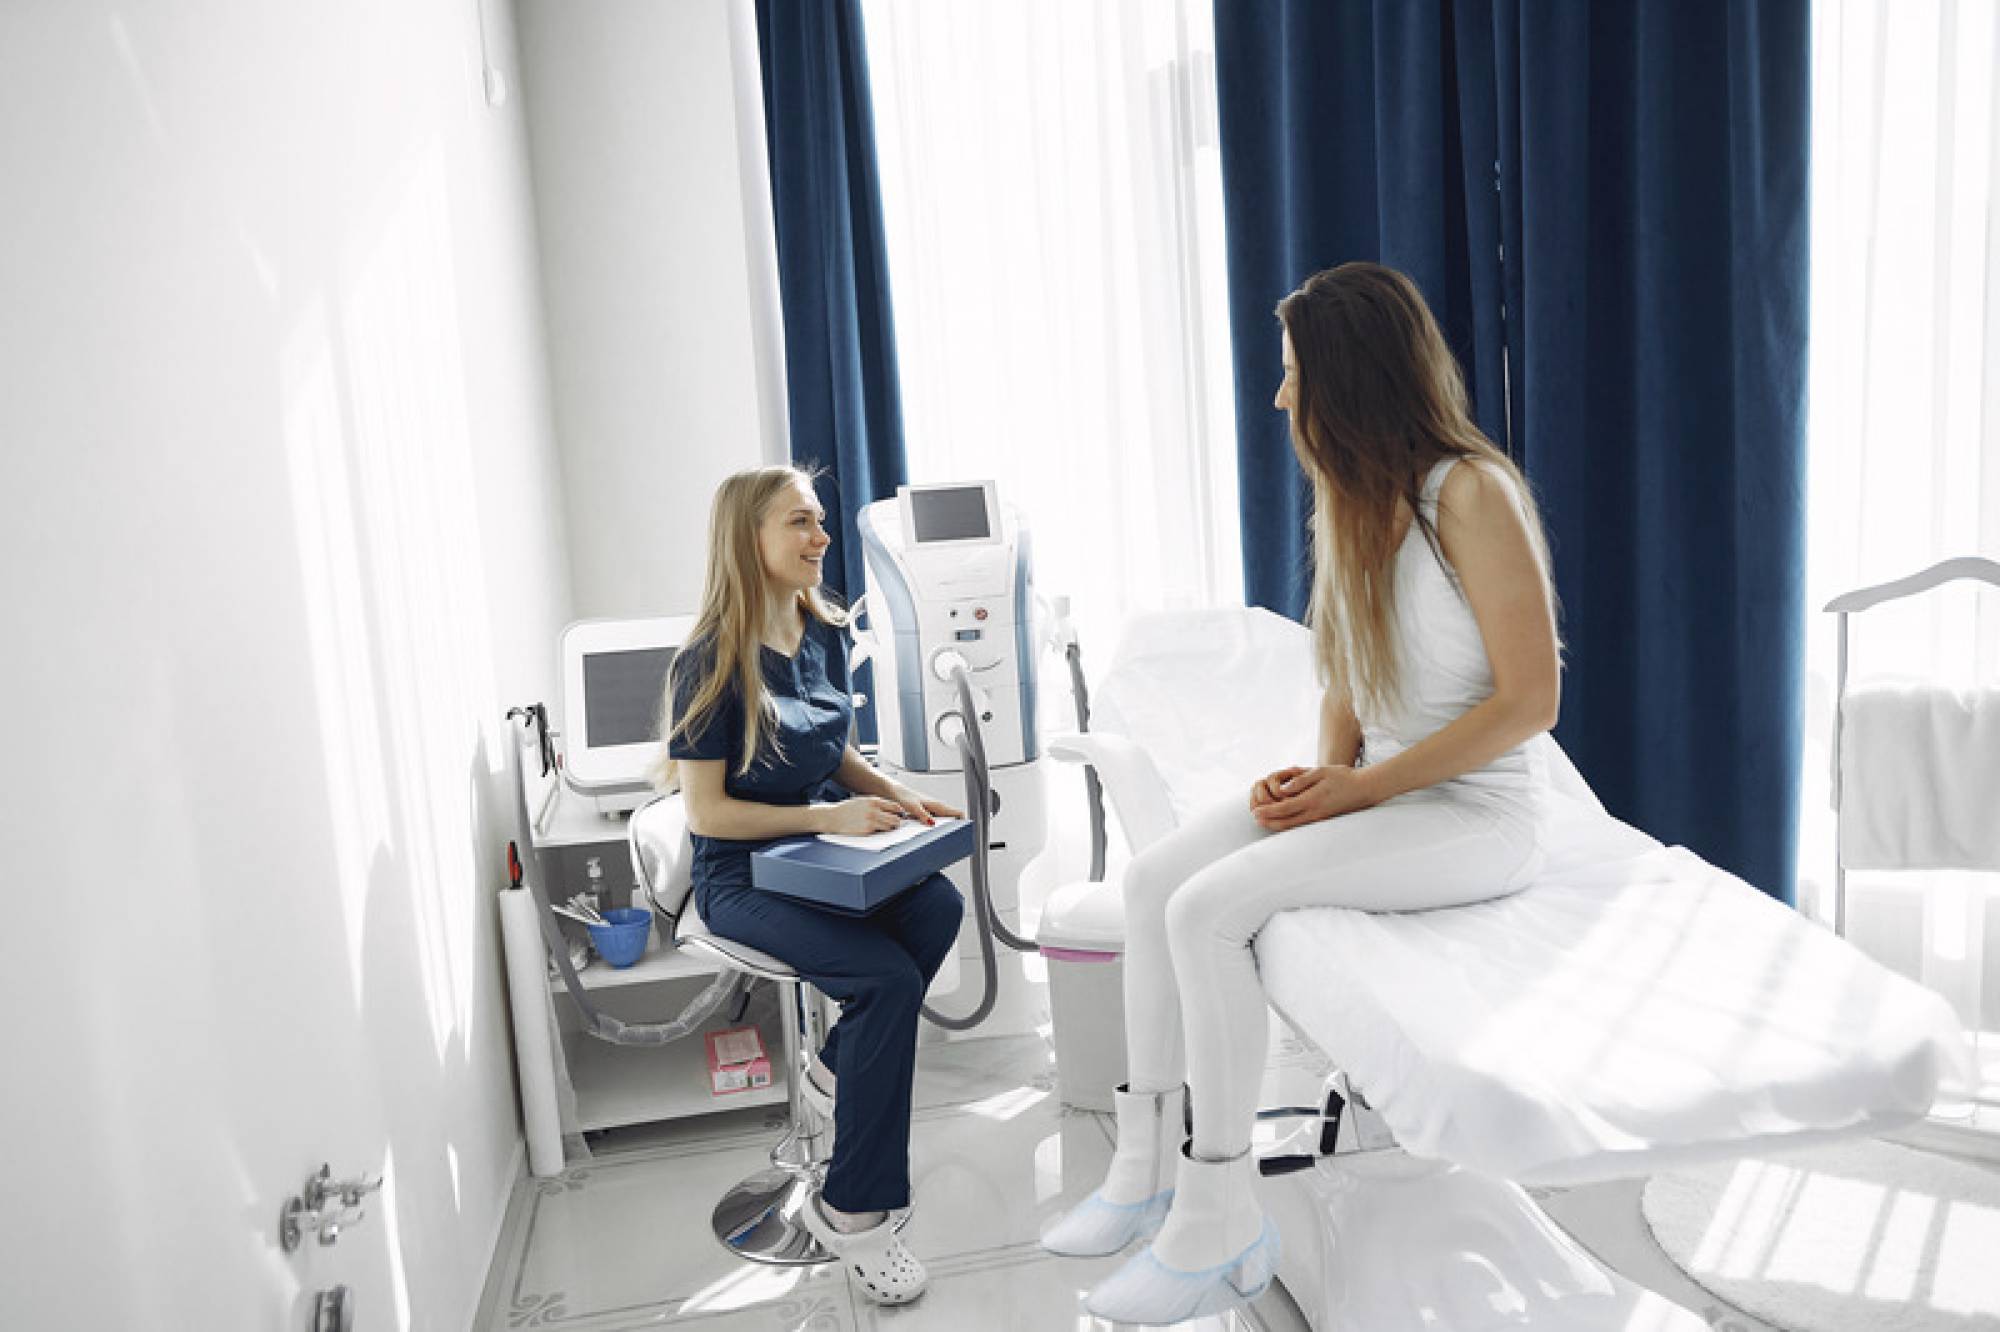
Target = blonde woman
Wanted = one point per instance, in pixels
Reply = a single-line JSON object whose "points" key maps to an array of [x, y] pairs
{"points": [[1435, 635], [761, 717]]}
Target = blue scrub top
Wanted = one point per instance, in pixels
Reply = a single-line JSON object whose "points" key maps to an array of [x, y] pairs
{"points": [[815, 716]]}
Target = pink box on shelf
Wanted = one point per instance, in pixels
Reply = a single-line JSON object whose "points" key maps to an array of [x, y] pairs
{"points": [[736, 1061]]}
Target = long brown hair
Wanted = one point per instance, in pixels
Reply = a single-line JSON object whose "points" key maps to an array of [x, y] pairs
{"points": [[1379, 403], [728, 631]]}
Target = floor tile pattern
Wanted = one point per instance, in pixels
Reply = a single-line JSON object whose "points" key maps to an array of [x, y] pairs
{"points": [[622, 1241]]}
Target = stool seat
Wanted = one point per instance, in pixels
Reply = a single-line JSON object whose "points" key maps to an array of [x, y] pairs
{"points": [[689, 932], [740, 956]]}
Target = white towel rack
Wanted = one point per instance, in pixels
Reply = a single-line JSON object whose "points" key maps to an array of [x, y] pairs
{"points": [[1973, 567]]}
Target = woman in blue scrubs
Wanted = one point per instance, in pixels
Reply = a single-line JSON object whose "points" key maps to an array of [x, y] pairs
{"points": [[760, 740]]}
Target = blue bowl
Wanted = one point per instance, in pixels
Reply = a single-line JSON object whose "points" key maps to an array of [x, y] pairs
{"points": [[623, 941]]}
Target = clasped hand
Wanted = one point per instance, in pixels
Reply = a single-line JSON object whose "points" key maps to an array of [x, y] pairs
{"points": [[1294, 797]]}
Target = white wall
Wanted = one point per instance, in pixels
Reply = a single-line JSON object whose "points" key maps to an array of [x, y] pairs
{"points": [[658, 277], [281, 539]]}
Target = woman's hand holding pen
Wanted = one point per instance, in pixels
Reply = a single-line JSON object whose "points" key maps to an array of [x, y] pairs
{"points": [[920, 808], [856, 774], [859, 816]]}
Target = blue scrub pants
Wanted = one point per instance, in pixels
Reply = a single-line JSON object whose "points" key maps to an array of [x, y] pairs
{"points": [[876, 967]]}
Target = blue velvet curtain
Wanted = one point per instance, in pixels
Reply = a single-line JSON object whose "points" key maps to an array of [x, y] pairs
{"points": [[1348, 132], [833, 266], [1644, 166]]}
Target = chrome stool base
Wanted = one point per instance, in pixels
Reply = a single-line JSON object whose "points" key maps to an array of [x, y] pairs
{"points": [[759, 1219]]}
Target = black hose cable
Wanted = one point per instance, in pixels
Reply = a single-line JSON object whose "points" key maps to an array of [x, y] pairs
{"points": [[979, 807], [1093, 788], [975, 737], [1000, 930], [989, 990]]}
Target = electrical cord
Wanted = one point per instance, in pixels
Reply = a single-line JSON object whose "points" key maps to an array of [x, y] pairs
{"points": [[979, 806], [972, 755], [1093, 788]]}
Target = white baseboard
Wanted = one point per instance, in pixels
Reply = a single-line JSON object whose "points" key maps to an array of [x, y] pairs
{"points": [[502, 1227]]}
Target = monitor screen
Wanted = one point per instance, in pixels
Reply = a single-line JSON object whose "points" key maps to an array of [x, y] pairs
{"points": [[621, 695], [956, 514]]}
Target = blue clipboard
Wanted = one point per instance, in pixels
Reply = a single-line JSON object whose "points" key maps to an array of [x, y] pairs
{"points": [[842, 878]]}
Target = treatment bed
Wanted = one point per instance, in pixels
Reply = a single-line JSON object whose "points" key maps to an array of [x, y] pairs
{"points": [[1634, 1009]]}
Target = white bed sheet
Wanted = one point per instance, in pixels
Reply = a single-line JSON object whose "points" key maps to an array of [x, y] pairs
{"points": [[1636, 1008]]}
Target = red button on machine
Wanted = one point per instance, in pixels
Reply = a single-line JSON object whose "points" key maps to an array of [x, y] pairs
{"points": [[979, 614]]}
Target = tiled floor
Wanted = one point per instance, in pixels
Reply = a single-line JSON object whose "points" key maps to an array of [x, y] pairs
{"points": [[623, 1241]]}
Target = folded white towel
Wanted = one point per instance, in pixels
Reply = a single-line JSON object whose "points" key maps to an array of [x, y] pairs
{"points": [[1920, 778]]}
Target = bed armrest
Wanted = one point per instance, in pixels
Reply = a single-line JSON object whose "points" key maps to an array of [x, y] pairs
{"points": [[1138, 793]]}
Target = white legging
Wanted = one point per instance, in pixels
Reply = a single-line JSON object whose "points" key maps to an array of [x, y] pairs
{"points": [[1195, 900]]}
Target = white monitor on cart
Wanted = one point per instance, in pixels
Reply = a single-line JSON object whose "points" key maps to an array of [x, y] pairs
{"points": [[614, 675]]}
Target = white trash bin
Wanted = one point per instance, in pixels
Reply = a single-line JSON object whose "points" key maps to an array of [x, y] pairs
{"points": [[1082, 940]]}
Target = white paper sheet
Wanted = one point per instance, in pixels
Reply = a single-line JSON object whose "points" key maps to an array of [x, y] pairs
{"points": [[882, 841]]}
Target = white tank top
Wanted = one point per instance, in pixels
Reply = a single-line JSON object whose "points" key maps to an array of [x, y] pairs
{"points": [[1444, 668]]}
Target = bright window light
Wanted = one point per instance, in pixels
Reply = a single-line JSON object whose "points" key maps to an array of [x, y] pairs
{"points": [[1052, 194], [1903, 436]]}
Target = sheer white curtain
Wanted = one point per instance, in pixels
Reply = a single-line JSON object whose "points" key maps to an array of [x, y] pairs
{"points": [[1904, 427], [1051, 187]]}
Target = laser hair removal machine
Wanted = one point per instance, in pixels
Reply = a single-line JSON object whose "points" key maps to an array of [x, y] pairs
{"points": [[950, 590]]}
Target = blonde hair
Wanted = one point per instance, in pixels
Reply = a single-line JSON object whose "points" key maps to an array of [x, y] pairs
{"points": [[729, 628], [1379, 402]]}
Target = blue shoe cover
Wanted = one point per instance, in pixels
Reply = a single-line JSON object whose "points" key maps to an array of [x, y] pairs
{"points": [[1148, 1292], [1094, 1227]]}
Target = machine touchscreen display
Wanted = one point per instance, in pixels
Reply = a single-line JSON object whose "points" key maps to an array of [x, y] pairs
{"points": [[955, 514]]}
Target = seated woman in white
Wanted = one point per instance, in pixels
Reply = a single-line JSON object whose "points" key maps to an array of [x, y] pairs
{"points": [[1435, 636]]}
